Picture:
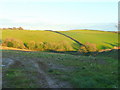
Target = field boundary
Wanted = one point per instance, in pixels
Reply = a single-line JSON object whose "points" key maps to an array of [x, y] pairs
{"points": [[67, 37]]}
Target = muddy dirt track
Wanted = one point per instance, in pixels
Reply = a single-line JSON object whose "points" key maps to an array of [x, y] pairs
{"points": [[31, 65]]}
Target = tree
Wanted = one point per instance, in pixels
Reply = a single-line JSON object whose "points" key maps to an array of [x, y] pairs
{"points": [[20, 28]]}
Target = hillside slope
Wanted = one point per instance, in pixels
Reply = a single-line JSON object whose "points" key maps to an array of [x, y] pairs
{"points": [[102, 39]]}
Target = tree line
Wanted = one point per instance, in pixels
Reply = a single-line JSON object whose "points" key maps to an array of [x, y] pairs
{"points": [[14, 28]]}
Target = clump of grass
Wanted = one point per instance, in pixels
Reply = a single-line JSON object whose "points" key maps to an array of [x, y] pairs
{"points": [[51, 46], [0, 42], [31, 45], [11, 42], [66, 46], [17, 78], [40, 46], [89, 47]]}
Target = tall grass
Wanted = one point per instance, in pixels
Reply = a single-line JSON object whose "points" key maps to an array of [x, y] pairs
{"points": [[11, 42], [89, 47], [39, 46]]}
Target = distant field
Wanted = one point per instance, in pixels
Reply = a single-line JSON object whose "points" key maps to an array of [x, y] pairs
{"points": [[102, 39], [31, 35]]}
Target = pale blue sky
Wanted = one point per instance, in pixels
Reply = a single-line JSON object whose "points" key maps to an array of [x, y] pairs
{"points": [[58, 14]]}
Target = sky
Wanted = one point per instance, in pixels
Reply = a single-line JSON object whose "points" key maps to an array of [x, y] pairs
{"points": [[59, 14]]}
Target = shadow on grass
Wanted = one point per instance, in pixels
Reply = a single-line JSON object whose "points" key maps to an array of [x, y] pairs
{"points": [[105, 47], [112, 53], [111, 44]]}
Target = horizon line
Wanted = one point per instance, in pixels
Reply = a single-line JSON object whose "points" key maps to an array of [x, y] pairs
{"points": [[59, 30]]}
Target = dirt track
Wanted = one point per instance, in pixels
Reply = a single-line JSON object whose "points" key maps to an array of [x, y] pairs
{"points": [[30, 65]]}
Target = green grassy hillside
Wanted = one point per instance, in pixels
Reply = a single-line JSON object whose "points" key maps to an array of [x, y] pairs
{"points": [[30, 35], [102, 39]]}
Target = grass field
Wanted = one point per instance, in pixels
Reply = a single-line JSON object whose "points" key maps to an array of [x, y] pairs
{"points": [[54, 70], [102, 39], [29, 68], [31, 35]]}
